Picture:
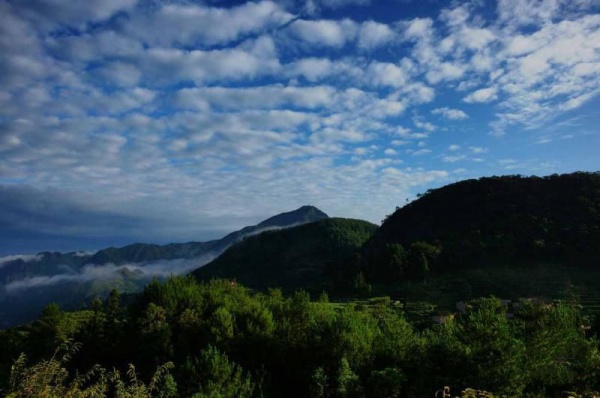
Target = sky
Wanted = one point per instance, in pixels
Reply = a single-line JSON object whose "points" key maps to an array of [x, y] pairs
{"points": [[163, 121]]}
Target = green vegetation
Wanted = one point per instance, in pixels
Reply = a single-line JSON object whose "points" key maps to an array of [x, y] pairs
{"points": [[50, 379], [311, 256], [498, 221], [222, 340]]}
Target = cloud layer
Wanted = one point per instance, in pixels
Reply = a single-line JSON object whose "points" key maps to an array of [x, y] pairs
{"points": [[106, 272]]}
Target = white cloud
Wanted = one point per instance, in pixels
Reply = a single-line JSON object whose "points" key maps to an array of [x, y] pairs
{"points": [[517, 13], [475, 38], [419, 29], [104, 272], [313, 6], [478, 149], [121, 74], [89, 47], [482, 95], [373, 35], [418, 93], [521, 45], [542, 77], [576, 102], [162, 66], [419, 123], [324, 32], [453, 147], [444, 71], [24, 257], [453, 159], [452, 114], [386, 74], [50, 14], [207, 26], [419, 152], [272, 97], [316, 69]]}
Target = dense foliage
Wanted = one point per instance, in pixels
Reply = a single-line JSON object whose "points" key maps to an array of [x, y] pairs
{"points": [[309, 256], [493, 220], [225, 341]]}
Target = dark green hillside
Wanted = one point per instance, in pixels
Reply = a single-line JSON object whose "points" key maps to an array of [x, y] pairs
{"points": [[494, 220], [291, 258]]}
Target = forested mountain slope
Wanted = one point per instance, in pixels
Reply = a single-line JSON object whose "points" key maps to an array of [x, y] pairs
{"points": [[497, 219], [307, 256]]}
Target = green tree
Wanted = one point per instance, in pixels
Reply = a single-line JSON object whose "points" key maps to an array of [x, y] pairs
{"points": [[213, 375], [421, 255], [348, 382], [386, 383], [495, 355], [319, 384]]}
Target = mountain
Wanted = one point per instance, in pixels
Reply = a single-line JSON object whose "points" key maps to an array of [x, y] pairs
{"points": [[141, 252], [307, 256], [511, 219], [28, 283]]}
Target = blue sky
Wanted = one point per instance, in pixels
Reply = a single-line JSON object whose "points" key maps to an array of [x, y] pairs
{"points": [[162, 121]]}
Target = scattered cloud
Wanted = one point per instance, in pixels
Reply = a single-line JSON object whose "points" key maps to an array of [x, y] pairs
{"points": [[452, 114], [192, 24], [373, 35], [324, 32], [478, 149], [482, 95], [453, 159]]}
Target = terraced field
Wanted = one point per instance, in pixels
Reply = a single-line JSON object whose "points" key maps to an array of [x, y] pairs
{"points": [[545, 281]]}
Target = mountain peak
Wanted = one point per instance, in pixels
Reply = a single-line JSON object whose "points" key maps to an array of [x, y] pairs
{"points": [[302, 215]]}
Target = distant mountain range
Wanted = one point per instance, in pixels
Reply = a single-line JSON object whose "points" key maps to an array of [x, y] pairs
{"points": [[72, 278]]}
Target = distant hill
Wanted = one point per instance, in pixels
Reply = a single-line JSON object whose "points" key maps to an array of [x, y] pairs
{"points": [[491, 220], [307, 256], [27, 283]]}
